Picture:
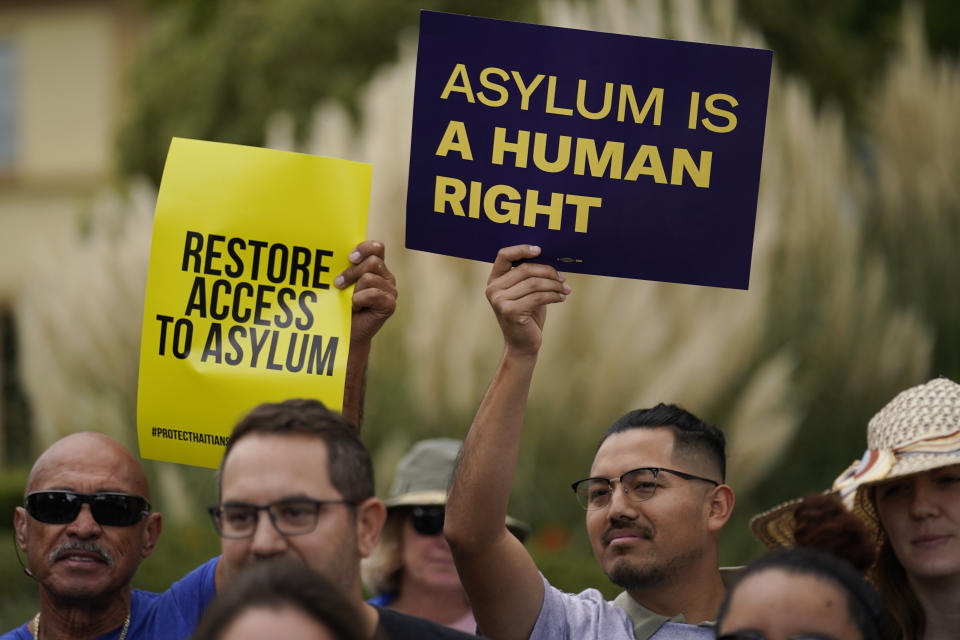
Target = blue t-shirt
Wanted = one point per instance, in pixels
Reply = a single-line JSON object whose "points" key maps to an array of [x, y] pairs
{"points": [[171, 615]]}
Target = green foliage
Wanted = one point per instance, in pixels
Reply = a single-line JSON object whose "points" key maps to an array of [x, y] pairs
{"points": [[218, 70], [12, 483]]}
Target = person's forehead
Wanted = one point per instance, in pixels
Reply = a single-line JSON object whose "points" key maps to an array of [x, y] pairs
{"points": [[262, 468], [633, 448], [87, 463]]}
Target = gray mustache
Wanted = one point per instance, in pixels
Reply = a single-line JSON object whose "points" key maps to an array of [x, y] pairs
{"points": [[75, 545]]}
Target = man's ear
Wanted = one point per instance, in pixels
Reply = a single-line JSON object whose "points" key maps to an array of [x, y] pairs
{"points": [[719, 507], [151, 534], [20, 527], [371, 516]]}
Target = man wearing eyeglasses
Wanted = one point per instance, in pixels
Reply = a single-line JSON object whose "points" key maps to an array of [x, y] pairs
{"points": [[86, 523], [296, 481], [655, 500]]}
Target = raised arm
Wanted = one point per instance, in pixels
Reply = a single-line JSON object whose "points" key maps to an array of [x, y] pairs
{"points": [[374, 300], [502, 581]]}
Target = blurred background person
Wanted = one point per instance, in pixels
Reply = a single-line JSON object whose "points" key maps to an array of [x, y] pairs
{"points": [[793, 593], [280, 598], [906, 488], [411, 570]]}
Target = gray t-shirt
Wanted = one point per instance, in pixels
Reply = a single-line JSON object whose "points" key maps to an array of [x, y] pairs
{"points": [[587, 616]]}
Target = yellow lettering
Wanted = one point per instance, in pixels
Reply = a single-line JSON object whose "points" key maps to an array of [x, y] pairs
{"points": [[508, 211], [540, 151], [694, 109], [551, 99], [683, 160], [581, 101], [455, 139], [583, 204], [476, 190], [459, 72], [729, 116], [587, 151], [518, 148], [553, 211], [526, 90], [489, 84], [640, 165], [449, 191], [654, 100]]}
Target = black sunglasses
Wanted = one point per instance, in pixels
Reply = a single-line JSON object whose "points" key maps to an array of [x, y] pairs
{"points": [[108, 508], [427, 521]]}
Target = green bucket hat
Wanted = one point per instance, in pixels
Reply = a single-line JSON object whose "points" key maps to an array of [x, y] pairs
{"points": [[423, 478]]}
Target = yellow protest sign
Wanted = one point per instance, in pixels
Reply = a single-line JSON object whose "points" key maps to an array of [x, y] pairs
{"points": [[240, 305]]}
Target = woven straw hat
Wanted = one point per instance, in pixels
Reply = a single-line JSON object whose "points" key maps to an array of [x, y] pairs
{"points": [[918, 430], [423, 476]]}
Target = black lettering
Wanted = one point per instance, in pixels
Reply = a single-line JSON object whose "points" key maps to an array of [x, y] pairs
{"points": [[163, 331], [212, 253], [247, 289], [218, 312], [319, 267], [232, 248], [299, 264], [316, 346], [198, 297], [232, 335], [255, 267], [293, 347], [284, 321], [191, 249], [273, 352], [272, 274], [256, 346], [262, 305], [214, 346], [306, 321], [182, 327]]}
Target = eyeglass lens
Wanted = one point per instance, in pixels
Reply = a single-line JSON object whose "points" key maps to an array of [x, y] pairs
{"points": [[639, 484], [427, 521], [109, 509], [290, 517]]}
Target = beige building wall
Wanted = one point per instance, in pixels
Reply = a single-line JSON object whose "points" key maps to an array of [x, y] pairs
{"points": [[69, 58]]}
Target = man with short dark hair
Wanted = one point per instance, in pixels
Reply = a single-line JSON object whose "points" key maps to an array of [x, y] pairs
{"points": [[86, 523], [297, 482], [655, 500]]}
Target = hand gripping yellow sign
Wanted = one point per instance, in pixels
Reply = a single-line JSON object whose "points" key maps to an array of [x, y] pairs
{"points": [[240, 306]]}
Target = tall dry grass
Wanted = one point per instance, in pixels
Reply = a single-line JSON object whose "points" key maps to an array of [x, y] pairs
{"points": [[791, 369]]}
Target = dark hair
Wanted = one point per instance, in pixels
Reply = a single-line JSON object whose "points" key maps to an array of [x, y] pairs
{"points": [[278, 584], [691, 434], [822, 522], [863, 603], [348, 461], [892, 583]]}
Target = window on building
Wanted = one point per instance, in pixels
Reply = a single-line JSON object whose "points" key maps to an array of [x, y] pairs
{"points": [[14, 409], [8, 105]]}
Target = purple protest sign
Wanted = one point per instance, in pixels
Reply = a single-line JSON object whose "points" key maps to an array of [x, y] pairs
{"points": [[618, 155]]}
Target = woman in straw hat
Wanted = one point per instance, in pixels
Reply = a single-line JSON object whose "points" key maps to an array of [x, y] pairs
{"points": [[907, 488], [411, 569]]}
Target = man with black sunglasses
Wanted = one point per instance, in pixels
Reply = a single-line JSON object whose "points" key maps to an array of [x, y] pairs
{"points": [[655, 500], [85, 526]]}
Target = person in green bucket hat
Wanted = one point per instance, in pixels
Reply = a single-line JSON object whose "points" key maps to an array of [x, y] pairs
{"points": [[411, 569]]}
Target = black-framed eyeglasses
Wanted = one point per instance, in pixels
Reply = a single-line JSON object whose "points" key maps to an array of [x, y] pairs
{"points": [[290, 516], [638, 484], [109, 508], [427, 520], [750, 634]]}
